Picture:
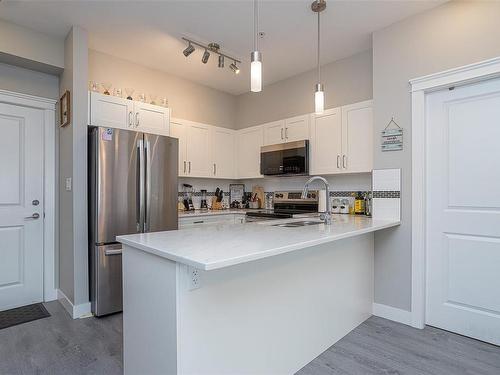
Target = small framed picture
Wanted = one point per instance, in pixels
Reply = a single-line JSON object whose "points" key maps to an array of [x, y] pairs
{"points": [[64, 109]]}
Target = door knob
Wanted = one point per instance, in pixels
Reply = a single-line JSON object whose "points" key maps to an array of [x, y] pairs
{"points": [[36, 215]]}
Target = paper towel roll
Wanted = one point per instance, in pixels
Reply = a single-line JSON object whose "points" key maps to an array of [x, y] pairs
{"points": [[322, 201]]}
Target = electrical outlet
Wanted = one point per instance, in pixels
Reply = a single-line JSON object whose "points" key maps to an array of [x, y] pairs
{"points": [[68, 184], [194, 278]]}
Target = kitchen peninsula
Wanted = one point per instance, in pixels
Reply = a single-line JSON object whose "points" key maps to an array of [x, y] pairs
{"points": [[245, 298]]}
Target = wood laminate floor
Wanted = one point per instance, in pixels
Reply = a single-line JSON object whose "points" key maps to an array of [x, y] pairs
{"points": [[59, 345]]}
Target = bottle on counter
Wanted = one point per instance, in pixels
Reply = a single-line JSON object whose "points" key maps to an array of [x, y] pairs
{"points": [[369, 204], [359, 204]]}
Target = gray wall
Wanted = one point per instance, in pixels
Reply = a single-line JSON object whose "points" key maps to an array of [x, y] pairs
{"points": [[29, 82], [452, 35], [346, 81], [188, 100], [73, 251]]}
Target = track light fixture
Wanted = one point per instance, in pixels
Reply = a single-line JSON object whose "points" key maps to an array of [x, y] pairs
{"points": [[234, 68], [189, 50], [205, 57], [210, 48]]}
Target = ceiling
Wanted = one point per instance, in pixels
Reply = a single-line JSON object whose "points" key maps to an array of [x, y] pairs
{"points": [[148, 33]]}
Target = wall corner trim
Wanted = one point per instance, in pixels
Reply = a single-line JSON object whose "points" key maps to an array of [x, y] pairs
{"points": [[392, 313], [75, 311]]}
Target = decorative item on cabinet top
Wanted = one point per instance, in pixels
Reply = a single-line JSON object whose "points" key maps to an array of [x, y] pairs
{"points": [[118, 92]]}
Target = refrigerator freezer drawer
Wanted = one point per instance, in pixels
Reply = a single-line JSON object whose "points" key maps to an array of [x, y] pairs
{"points": [[106, 296]]}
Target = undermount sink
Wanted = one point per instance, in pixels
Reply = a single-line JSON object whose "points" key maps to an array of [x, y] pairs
{"points": [[295, 224]]}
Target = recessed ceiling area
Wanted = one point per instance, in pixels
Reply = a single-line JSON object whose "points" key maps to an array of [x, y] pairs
{"points": [[148, 33]]}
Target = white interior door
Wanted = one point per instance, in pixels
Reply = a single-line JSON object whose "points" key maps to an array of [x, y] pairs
{"points": [[463, 210], [21, 185]]}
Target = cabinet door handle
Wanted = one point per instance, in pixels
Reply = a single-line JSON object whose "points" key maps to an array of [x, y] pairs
{"points": [[286, 133], [130, 114], [184, 166], [281, 133], [136, 119], [338, 161], [215, 169], [344, 161], [189, 167]]}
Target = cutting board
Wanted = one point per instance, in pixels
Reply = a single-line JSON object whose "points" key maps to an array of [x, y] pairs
{"points": [[260, 195]]}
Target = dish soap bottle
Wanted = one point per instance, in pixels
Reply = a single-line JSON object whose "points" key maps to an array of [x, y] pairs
{"points": [[359, 204]]}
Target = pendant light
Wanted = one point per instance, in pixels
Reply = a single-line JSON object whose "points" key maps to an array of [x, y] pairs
{"points": [[319, 94], [255, 56]]}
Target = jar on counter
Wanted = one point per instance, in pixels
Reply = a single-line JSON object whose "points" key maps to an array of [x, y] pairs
{"points": [[336, 206], [344, 206]]}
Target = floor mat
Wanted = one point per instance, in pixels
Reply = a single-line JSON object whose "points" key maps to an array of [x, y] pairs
{"points": [[24, 314]]}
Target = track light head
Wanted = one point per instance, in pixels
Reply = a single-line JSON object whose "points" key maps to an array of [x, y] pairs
{"points": [[189, 50], [221, 61], [206, 56], [234, 68]]}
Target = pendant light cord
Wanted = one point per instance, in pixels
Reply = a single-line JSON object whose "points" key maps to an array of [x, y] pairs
{"points": [[255, 24], [319, 66]]}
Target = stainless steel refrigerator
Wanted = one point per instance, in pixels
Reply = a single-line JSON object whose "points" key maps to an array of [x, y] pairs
{"points": [[132, 189]]}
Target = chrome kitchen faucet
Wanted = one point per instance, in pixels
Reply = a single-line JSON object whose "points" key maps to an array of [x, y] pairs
{"points": [[327, 216]]}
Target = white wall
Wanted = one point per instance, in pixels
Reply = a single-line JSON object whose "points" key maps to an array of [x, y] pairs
{"points": [[13, 78], [30, 49], [452, 35], [73, 237], [346, 81]]}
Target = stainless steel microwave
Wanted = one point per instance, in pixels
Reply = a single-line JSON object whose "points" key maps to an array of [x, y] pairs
{"points": [[285, 159]]}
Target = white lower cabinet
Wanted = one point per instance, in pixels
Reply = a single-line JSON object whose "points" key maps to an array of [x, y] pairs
{"points": [[187, 222], [249, 141], [114, 112]]}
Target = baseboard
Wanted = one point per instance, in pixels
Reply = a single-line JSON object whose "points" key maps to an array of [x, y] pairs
{"points": [[392, 313], [75, 311]]}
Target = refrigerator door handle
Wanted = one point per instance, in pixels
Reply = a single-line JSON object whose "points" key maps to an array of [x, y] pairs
{"points": [[140, 188], [147, 214]]}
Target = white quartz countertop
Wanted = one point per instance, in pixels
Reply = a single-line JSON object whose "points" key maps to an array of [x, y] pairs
{"points": [[199, 213], [215, 246]]}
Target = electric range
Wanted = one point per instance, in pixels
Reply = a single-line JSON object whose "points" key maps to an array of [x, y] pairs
{"points": [[286, 204]]}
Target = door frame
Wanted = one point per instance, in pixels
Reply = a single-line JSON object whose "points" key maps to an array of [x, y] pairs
{"points": [[420, 87], [48, 106]]}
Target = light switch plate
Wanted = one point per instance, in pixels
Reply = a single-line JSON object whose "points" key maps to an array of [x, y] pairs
{"points": [[68, 183]]}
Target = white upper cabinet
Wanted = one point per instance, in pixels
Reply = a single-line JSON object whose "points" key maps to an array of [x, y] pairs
{"points": [[151, 118], [223, 153], [198, 150], [274, 132], [296, 128], [111, 111], [178, 130], [326, 142], [249, 142], [288, 130], [357, 137], [342, 140]]}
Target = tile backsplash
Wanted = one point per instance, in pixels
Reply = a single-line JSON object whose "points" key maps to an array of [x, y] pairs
{"points": [[340, 185]]}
